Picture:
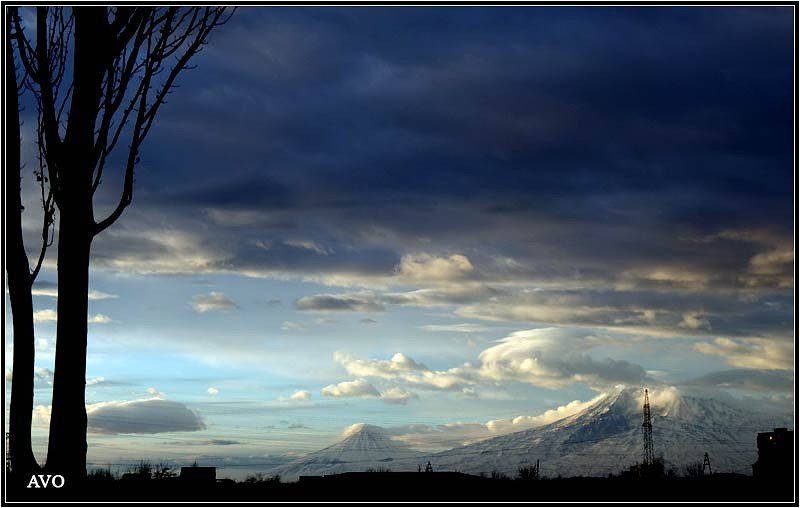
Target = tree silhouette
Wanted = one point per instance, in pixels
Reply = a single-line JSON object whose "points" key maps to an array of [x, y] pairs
{"points": [[20, 275], [124, 62]]}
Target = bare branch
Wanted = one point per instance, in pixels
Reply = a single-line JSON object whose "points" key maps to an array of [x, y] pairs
{"points": [[47, 237], [25, 50], [113, 101], [166, 34], [49, 121]]}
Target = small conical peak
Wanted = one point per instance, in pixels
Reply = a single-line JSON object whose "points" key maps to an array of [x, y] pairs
{"points": [[358, 428]]}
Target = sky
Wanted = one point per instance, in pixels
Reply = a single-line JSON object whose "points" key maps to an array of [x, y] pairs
{"points": [[455, 221]]}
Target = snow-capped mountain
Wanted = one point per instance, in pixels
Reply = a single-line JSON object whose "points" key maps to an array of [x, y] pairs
{"points": [[604, 438], [607, 436], [363, 446]]}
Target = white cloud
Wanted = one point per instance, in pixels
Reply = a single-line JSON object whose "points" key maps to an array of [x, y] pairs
{"points": [[212, 391], [551, 415], [99, 319], [772, 262], [47, 288], [357, 388], [292, 326], [45, 316], [155, 393], [41, 416], [213, 301], [453, 434], [141, 416], [357, 427], [669, 276], [99, 295], [457, 328], [325, 321], [146, 416], [154, 247], [694, 321], [448, 435], [50, 315], [752, 353], [301, 395], [546, 357], [552, 358], [427, 267], [402, 368], [398, 395], [309, 245], [43, 376]]}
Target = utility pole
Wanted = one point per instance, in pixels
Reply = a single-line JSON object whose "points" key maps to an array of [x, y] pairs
{"points": [[647, 433]]}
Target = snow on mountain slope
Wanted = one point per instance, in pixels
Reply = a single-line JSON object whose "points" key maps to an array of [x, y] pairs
{"points": [[603, 438], [606, 437], [363, 446]]}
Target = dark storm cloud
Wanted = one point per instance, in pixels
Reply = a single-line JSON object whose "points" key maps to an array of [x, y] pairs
{"points": [[639, 160], [672, 100], [246, 192]]}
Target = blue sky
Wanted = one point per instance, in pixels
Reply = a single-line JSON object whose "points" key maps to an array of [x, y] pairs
{"points": [[440, 216]]}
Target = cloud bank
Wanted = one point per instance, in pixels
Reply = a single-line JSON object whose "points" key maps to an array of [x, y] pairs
{"points": [[141, 416]]}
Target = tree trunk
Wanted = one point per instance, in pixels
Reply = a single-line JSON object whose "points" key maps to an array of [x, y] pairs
{"points": [[22, 459], [19, 287], [66, 453]]}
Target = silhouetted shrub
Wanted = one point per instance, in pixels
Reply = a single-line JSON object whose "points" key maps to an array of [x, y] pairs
{"points": [[261, 478], [142, 471], [499, 475], [101, 475], [528, 473], [163, 470], [694, 470]]}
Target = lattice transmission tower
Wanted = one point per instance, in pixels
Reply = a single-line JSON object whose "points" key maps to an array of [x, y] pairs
{"points": [[706, 464], [648, 457]]}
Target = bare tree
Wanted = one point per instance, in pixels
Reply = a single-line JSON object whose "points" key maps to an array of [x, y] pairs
{"points": [[20, 274], [124, 63], [162, 471]]}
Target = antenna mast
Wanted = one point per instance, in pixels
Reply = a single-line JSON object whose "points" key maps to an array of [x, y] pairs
{"points": [[647, 433]]}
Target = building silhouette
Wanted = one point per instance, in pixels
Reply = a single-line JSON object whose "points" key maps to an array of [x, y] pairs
{"points": [[775, 454], [199, 474]]}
